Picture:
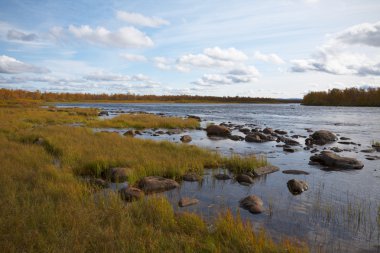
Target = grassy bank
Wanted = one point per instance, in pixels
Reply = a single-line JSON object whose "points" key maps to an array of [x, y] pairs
{"points": [[46, 208]]}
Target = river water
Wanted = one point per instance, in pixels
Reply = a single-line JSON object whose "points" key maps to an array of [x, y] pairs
{"points": [[341, 210]]}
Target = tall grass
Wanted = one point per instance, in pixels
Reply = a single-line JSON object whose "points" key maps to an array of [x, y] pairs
{"points": [[140, 121], [239, 164]]}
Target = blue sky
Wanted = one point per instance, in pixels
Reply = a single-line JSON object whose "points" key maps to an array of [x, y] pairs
{"points": [[281, 48]]}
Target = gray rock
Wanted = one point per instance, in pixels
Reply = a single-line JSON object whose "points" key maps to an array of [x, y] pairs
{"points": [[295, 172], [323, 137], [333, 160], [297, 186], [258, 137], [215, 130], [253, 204], [186, 138], [157, 184], [265, 170]]}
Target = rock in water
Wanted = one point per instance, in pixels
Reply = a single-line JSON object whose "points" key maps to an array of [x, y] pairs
{"points": [[258, 137], [222, 176], [157, 184], [186, 138], [131, 193], [130, 133], [323, 137], [215, 130], [191, 177], [265, 170], [244, 179], [333, 160], [185, 201], [297, 186], [252, 203], [295, 172]]}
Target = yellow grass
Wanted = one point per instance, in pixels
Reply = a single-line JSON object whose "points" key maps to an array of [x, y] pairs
{"points": [[140, 121]]}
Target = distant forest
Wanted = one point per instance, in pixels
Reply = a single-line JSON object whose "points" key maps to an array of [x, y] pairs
{"points": [[7, 94], [346, 97]]}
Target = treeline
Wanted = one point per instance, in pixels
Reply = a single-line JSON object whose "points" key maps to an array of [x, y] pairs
{"points": [[7, 94], [346, 97]]}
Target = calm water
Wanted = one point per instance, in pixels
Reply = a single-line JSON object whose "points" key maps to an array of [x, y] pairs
{"points": [[339, 212]]}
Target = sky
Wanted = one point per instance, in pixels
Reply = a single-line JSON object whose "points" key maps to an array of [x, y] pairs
{"points": [[272, 48]]}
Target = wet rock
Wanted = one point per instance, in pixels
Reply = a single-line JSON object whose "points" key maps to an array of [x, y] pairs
{"points": [[313, 163], [295, 172], [333, 160], [348, 143], [130, 133], [297, 186], [258, 137], [282, 132], [245, 130], [309, 142], [194, 117], [372, 157], [138, 132], [376, 147], [309, 130], [191, 177], [314, 150], [222, 176], [265, 170], [130, 194], [371, 150], [289, 149], [289, 141], [268, 130], [186, 138], [215, 130], [244, 179], [236, 138], [160, 132], [103, 113], [336, 149], [157, 184], [185, 201], [344, 138], [253, 204], [323, 137], [173, 131]]}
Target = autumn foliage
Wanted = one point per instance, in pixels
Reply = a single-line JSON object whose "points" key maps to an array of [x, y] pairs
{"points": [[346, 97], [7, 94]]}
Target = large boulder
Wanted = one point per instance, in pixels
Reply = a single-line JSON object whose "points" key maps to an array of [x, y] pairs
{"points": [[153, 184], [258, 137], [333, 160], [297, 186], [252, 203], [323, 137], [131, 193], [215, 130]]}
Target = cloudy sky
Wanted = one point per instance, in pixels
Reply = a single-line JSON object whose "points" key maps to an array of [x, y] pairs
{"points": [[273, 48]]}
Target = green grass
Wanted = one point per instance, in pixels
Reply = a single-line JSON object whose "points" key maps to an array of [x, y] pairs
{"points": [[140, 121], [239, 164]]}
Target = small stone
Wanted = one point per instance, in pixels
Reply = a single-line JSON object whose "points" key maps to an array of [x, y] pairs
{"points": [[297, 186], [185, 201], [253, 204], [186, 138]]}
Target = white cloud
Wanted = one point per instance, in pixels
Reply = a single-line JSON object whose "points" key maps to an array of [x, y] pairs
{"points": [[228, 54], [21, 36], [10, 65], [271, 58], [339, 56], [242, 74], [162, 63], [141, 20], [364, 34], [122, 38], [134, 57]]}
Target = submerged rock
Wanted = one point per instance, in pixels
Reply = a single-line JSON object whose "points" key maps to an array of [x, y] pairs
{"points": [[253, 204], [265, 170], [186, 138], [289, 149], [222, 176], [215, 130], [333, 160], [295, 172], [244, 179], [191, 177], [323, 137], [185, 201], [297, 186], [157, 184], [131, 193]]}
